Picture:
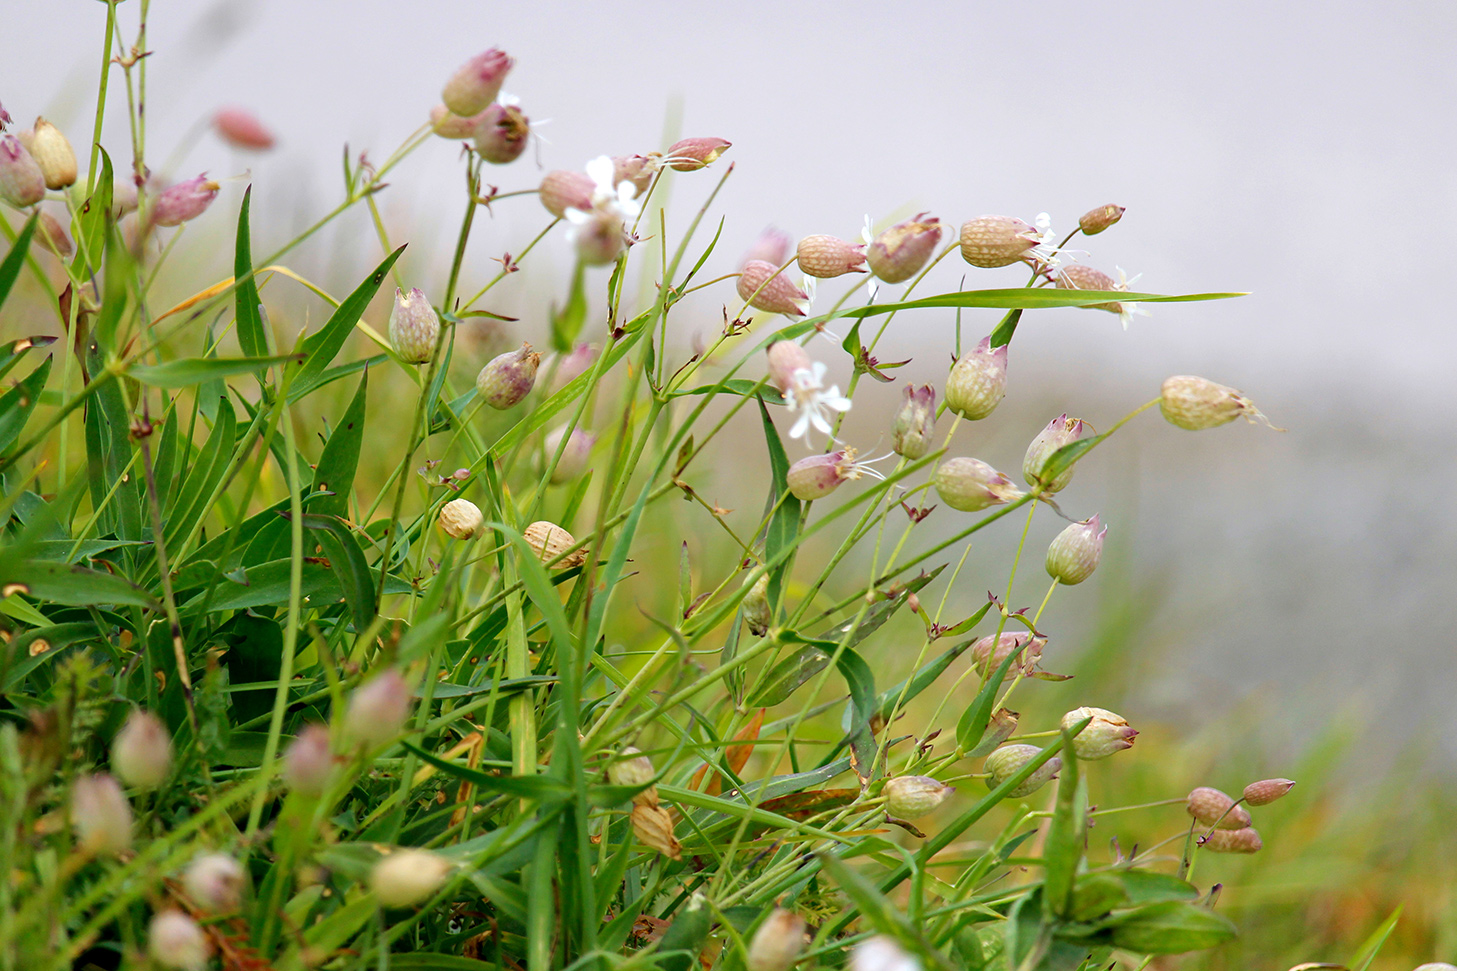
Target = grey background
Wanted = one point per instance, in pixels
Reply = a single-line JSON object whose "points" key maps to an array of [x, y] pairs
{"points": [[1299, 151]]}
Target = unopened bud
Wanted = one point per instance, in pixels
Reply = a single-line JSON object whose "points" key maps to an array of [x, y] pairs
{"points": [[574, 364], [242, 129], [184, 201], [509, 377], [378, 709], [21, 181], [52, 152], [1000, 728], [764, 287], [55, 238], [1211, 807], [1106, 734], [978, 381], [777, 943], [476, 83], [899, 252], [414, 326], [1094, 221], [408, 877], [1059, 432], [637, 169], [576, 454], [819, 475], [1266, 791], [101, 815], [1196, 403], [829, 256], [566, 189], [214, 881], [786, 358], [654, 828], [141, 753], [1008, 760], [460, 519], [1244, 840], [915, 423], [596, 235], [632, 768], [501, 133], [970, 485], [1075, 552], [174, 940], [691, 154], [771, 247], [123, 197], [993, 241], [757, 613], [308, 762], [986, 660], [549, 541], [914, 796], [447, 124], [882, 953]]}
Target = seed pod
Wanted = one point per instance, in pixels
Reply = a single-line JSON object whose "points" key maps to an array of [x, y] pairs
{"points": [[53, 236], [549, 541], [1106, 734], [378, 709], [1208, 805], [631, 768], [508, 378], [414, 326], [829, 256], [447, 124], [1196, 403], [101, 815], [914, 796], [460, 519], [242, 129], [986, 660], [1266, 791], [691, 154], [476, 83], [175, 941], [565, 189], [214, 881], [1094, 221], [52, 152], [408, 877], [978, 381], [637, 169], [1233, 841], [1059, 432], [771, 247], [777, 943], [575, 457], [1008, 760], [882, 953], [757, 613], [501, 133], [1075, 552], [654, 828], [764, 287], [1000, 728], [141, 753], [993, 241], [899, 252], [21, 181], [307, 762], [915, 423], [184, 201], [970, 485], [819, 475]]}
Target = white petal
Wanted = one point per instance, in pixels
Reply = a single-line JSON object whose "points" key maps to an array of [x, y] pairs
{"points": [[801, 426], [818, 420], [577, 217], [817, 370], [600, 170]]}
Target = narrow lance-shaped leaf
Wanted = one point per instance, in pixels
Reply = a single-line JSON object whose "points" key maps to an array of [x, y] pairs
{"points": [[251, 336]]}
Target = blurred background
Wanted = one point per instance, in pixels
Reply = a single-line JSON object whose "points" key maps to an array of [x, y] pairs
{"points": [[1276, 601]]}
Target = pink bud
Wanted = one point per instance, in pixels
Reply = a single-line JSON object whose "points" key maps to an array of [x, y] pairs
{"points": [[692, 154], [509, 377], [175, 941], [141, 753], [1267, 791], [575, 456], [771, 247], [915, 423], [378, 709], [970, 485], [1061, 431], [21, 181], [307, 762], [978, 381], [992, 241], [215, 882], [1074, 554], [1008, 760], [637, 169], [502, 132], [575, 364], [1244, 840], [765, 288], [5, 118], [101, 815], [1106, 734], [448, 125], [785, 359], [476, 83], [564, 189], [414, 326], [899, 253], [819, 475], [1094, 221], [829, 256], [241, 128], [1214, 808], [53, 236], [986, 661], [184, 201], [52, 152]]}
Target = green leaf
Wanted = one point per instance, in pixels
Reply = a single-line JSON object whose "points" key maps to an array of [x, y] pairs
{"points": [[918, 682], [1024, 298], [91, 222], [784, 526], [786, 677], [185, 372], [566, 325], [322, 347], [346, 558], [973, 722], [251, 336], [1148, 887], [424, 961], [193, 499], [14, 351], [1170, 928], [1366, 953], [340, 458], [541, 788], [267, 584], [10, 267], [1002, 335], [64, 584], [742, 387], [17, 404], [862, 708], [1066, 833], [678, 949], [1063, 459]]}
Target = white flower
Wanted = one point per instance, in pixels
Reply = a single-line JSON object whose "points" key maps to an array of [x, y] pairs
{"points": [[808, 396], [1045, 253], [619, 200], [1127, 311]]}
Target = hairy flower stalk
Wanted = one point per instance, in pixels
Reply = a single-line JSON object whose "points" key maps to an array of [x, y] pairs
{"points": [[978, 381]]}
